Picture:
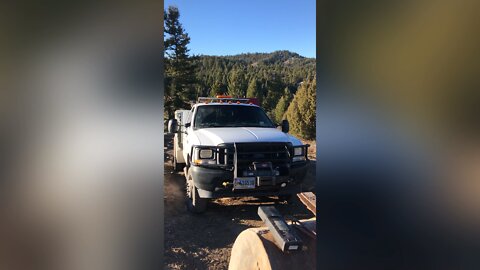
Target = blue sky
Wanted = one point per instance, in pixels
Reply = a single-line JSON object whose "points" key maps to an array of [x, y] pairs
{"points": [[226, 27]]}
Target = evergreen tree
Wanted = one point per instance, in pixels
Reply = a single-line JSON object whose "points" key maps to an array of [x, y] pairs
{"points": [[254, 90], [274, 88], [282, 105], [287, 94], [179, 66], [217, 89], [301, 112], [280, 109], [237, 83]]}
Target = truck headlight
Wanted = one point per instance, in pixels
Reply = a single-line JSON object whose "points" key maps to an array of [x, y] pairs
{"points": [[298, 151], [205, 154]]}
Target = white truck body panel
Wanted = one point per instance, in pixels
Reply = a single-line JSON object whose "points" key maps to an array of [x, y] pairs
{"points": [[178, 140], [182, 117], [215, 136]]}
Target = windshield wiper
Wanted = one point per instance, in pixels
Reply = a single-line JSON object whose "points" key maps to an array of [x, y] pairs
{"points": [[251, 125], [234, 125], [210, 125]]}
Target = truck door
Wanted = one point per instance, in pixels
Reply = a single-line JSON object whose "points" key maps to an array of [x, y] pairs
{"points": [[187, 132]]}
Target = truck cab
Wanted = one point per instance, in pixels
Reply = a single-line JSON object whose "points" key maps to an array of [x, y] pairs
{"points": [[228, 147]]}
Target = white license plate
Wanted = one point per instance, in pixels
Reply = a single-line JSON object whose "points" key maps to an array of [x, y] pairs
{"points": [[244, 183]]}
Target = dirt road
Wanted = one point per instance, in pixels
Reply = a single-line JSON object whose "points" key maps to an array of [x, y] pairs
{"points": [[204, 241]]}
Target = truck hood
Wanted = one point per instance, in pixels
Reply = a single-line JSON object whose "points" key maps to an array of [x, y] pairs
{"points": [[215, 136]]}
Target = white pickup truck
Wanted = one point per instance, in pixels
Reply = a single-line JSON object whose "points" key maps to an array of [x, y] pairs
{"points": [[228, 147]]}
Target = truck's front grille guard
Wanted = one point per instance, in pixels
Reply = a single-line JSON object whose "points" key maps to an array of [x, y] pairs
{"points": [[230, 155]]}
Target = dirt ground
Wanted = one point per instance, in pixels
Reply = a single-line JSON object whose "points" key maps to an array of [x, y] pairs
{"points": [[204, 241]]}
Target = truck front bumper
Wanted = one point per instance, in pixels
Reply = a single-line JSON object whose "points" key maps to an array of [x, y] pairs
{"points": [[217, 183]]}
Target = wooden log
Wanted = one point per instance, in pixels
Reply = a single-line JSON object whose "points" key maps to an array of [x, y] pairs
{"points": [[309, 200], [255, 249]]}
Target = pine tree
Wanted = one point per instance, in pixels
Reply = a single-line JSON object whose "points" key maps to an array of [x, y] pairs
{"points": [[280, 109], [254, 90], [274, 88], [282, 105], [217, 89], [287, 94], [301, 112], [237, 83], [180, 78]]}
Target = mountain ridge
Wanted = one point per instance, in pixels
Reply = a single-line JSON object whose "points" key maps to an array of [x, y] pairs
{"points": [[255, 58]]}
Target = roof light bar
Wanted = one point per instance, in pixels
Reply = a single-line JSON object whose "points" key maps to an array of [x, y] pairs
{"points": [[224, 99]]}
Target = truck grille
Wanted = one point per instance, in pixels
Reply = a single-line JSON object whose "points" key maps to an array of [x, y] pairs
{"points": [[247, 153]]}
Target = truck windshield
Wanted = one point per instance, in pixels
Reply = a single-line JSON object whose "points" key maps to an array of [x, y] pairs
{"points": [[231, 116]]}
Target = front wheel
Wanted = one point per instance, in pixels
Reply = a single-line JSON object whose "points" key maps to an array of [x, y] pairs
{"points": [[195, 204], [177, 167]]}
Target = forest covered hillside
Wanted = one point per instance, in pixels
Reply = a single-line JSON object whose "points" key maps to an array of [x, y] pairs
{"points": [[267, 58], [267, 76]]}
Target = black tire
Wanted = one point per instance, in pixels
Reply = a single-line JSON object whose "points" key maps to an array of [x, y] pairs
{"points": [[195, 204], [177, 167]]}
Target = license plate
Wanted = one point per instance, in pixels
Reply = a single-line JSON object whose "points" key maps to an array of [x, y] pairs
{"points": [[244, 183]]}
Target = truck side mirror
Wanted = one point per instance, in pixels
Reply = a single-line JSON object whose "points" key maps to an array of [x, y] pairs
{"points": [[172, 126], [285, 126]]}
